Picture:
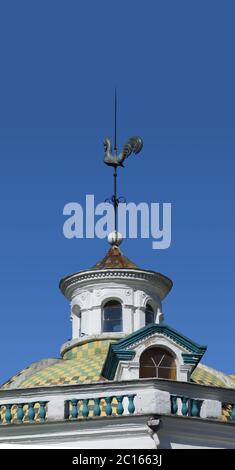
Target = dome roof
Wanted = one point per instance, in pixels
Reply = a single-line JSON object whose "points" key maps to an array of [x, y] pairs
{"points": [[115, 262], [84, 363], [205, 375], [80, 364], [115, 259]]}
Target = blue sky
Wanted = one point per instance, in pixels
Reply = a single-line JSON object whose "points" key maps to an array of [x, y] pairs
{"points": [[173, 64]]}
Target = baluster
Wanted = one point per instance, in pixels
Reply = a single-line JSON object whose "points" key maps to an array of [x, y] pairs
{"points": [[233, 413], [184, 408], [131, 406], [195, 411], [96, 407], [120, 408], [74, 411], [31, 412], [108, 408], [8, 413], [85, 407], [42, 410], [20, 413], [174, 405]]}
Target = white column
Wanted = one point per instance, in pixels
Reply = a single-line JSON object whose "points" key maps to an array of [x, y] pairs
{"points": [[84, 322], [94, 321], [127, 319], [76, 323], [139, 319], [184, 372]]}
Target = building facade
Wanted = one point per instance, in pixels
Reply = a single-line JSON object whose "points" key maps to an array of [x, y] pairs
{"points": [[126, 379]]}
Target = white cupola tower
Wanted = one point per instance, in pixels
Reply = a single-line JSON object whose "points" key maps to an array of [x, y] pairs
{"points": [[114, 298]]}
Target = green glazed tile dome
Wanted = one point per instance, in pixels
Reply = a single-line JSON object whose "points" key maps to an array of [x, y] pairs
{"points": [[80, 364], [84, 363]]}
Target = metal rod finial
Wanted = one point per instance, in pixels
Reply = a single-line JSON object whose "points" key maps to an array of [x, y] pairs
{"points": [[115, 121]]}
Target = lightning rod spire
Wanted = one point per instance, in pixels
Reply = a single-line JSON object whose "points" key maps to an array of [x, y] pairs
{"points": [[115, 121], [133, 145]]}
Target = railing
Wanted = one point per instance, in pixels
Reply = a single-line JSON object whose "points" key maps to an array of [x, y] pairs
{"points": [[185, 406], [127, 398], [18, 413], [101, 406]]}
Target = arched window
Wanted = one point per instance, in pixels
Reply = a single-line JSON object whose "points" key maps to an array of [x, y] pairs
{"points": [[149, 315], [157, 362], [112, 316]]}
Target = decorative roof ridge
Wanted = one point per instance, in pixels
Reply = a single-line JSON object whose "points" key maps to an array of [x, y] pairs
{"points": [[163, 327]]}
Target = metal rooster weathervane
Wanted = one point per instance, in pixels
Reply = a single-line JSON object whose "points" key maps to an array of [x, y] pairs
{"points": [[133, 145]]}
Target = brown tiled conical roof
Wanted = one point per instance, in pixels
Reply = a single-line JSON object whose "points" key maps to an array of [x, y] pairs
{"points": [[115, 259]]}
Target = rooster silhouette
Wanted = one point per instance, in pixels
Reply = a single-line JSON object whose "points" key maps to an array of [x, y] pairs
{"points": [[133, 145]]}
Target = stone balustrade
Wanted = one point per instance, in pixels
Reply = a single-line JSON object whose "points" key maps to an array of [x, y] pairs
{"points": [[100, 406], [138, 397], [194, 408], [18, 413]]}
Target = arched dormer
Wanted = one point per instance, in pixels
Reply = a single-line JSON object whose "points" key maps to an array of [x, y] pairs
{"points": [[157, 362], [112, 316]]}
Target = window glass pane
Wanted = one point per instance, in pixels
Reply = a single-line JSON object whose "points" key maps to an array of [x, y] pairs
{"points": [[112, 316], [149, 315], [157, 362], [112, 313]]}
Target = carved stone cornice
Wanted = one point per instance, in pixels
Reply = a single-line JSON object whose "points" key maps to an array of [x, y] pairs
{"points": [[80, 279]]}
